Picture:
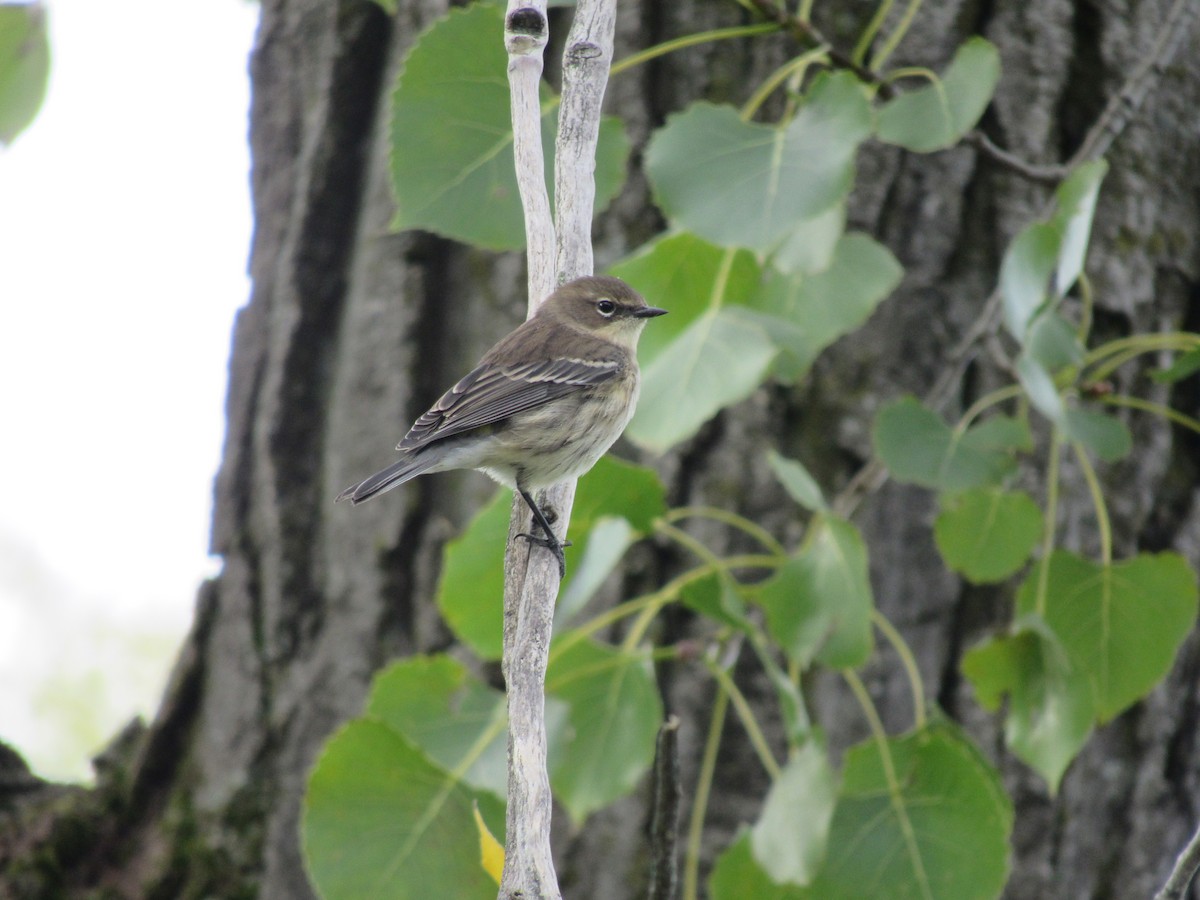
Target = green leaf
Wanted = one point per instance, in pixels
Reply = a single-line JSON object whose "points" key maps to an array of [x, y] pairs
{"points": [[804, 314], [381, 821], [471, 591], [796, 480], [987, 534], [1120, 624], [452, 144], [819, 603], [1052, 341], [614, 716], [1076, 207], [789, 837], [1039, 386], [715, 596], [742, 184], [919, 448], [614, 487], [720, 359], [808, 248], [1050, 708], [937, 828], [1185, 364], [24, 66], [1025, 275], [456, 719], [1103, 435], [738, 876], [605, 545], [688, 276], [937, 116], [1056, 247]]}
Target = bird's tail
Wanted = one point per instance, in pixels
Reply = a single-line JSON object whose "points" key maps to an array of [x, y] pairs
{"points": [[404, 469]]}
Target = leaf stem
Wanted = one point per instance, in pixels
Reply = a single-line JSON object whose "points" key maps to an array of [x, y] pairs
{"points": [[1051, 520], [1087, 306], [717, 514], [1157, 409], [987, 400], [859, 53], [670, 591], [912, 72], [908, 661], [708, 765], [691, 40], [776, 78], [1102, 520], [889, 774], [879, 59], [757, 739], [1124, 349]]}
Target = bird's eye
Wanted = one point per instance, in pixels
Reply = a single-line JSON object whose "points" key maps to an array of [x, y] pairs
{"points": [[606, 307]]}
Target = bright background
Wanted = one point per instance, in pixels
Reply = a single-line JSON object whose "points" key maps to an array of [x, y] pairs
{"points": [[124, 228]]}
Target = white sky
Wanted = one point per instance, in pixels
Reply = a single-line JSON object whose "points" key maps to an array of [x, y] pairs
{"points": [[124, 228]]}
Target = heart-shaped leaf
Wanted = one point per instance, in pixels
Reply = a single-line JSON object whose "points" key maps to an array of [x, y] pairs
{"points": [[986, 533], [452, 143], [819, 603], [938, 115], [918, 447], [1119, 624], [742, 184]]}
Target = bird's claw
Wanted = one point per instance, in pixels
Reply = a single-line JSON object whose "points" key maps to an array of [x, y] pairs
{"points": [[554, 546]]}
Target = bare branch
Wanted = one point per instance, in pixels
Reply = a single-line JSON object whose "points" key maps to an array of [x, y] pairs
{"points": [[586, 61], [1185, 867], [1123, 106], [529, 586], [532, 580], [664, 822]]}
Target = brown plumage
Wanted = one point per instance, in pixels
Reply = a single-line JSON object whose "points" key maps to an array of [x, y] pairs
{"points": [[543, 404]]}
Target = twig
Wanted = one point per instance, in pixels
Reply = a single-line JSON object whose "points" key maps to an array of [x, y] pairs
{"points": [[586, 61], [531, 581], [1051, 174], [1185, 867], [1122, 107], [529, 587], [664, 820], [803, 31]]}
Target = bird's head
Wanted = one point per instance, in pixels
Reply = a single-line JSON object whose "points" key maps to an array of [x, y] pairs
{"points": [[605, 307]]}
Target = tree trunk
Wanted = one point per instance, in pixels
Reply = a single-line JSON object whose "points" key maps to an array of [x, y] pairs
{"points": [[352, 331]]}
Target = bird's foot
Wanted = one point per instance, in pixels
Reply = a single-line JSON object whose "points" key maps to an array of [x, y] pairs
{"points": [[554, 545]]}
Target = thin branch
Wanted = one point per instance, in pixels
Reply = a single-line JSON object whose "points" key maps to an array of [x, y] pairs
{"points": [[586, 62], [803, 32], [664, 819], [1185, 867], [1049, 174], [531, 581], [529, 588], [1123, 106]]}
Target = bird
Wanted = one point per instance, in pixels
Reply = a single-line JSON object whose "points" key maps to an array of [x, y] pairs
{"points": [[543, 404]]}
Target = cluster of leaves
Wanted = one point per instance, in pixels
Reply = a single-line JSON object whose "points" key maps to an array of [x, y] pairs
{"points": [[760, 276]]}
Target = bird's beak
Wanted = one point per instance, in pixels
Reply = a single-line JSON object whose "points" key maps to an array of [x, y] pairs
{"points": [[649, 312]]}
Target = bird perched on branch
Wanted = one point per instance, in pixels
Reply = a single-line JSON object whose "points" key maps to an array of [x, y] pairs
{"points": [[542, 405]]}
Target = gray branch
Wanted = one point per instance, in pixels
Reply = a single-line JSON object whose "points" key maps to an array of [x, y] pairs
{"points": [[531, 579], [1185, 867]]}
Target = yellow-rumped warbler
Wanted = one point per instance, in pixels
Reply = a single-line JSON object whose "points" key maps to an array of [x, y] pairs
{"points": [[542, 405]]}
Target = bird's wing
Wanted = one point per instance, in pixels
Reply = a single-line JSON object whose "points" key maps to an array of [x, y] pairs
{"points": [[492, 393]]}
